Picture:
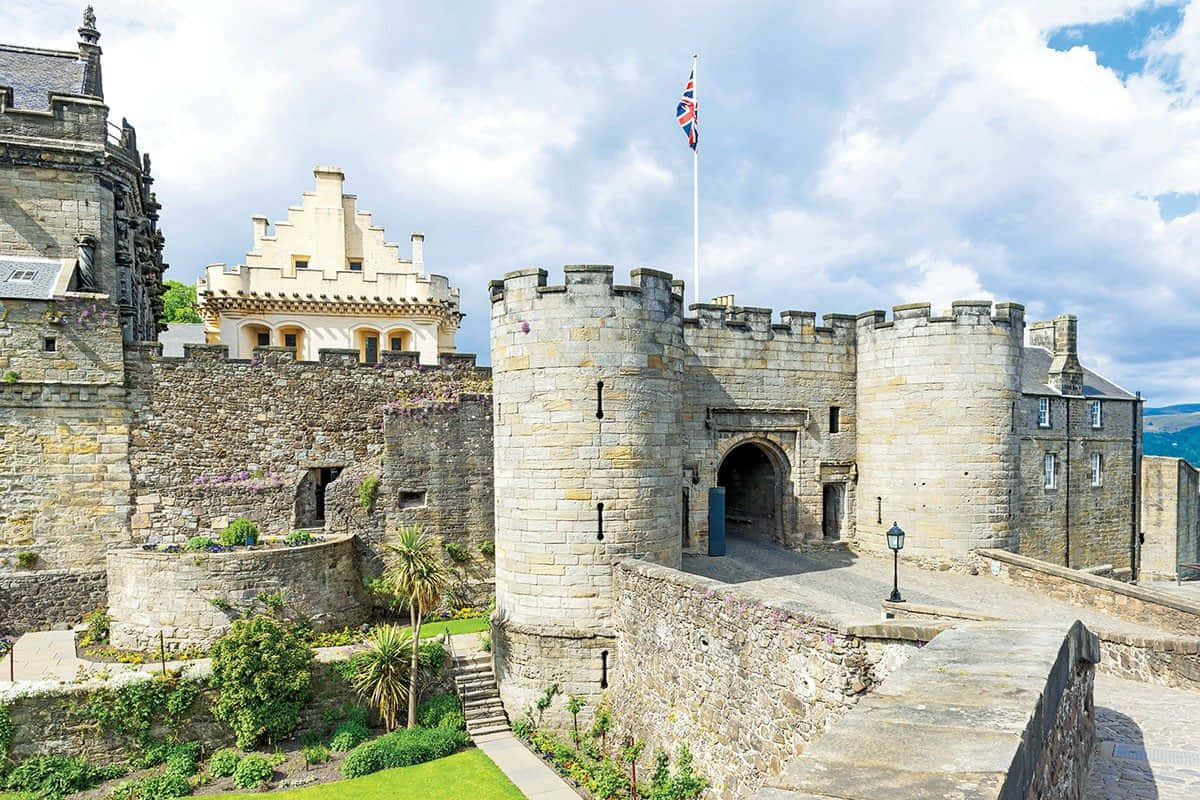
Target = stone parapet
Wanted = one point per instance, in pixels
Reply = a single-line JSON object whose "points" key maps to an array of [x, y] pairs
{"points": [[192, 598], [41, 599]]}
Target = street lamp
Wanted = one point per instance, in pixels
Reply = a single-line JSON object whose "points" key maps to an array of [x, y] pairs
{"points": [[895, 541]]}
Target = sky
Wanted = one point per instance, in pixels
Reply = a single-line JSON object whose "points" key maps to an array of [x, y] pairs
{"points": [[853, 156]]}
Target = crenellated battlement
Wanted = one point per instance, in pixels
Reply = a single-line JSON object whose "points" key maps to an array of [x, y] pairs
{"points": [[962, 312], [218, 354], [648, 291], [794, 326]]}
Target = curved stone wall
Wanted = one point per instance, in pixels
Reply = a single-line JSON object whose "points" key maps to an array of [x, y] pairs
{"points": [[937, 444], [192, 598]]}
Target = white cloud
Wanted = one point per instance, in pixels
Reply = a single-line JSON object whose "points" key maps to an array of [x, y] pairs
{"points": [[940, 282]]}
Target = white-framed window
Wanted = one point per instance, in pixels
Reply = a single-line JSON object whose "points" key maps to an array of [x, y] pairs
{"points": [[1097, 469], [1049, 467], [1043, 412], [23, 275], [1097, 414]]}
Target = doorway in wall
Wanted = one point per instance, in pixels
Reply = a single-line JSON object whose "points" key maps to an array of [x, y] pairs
{"points": [[833, 510], [751, 492], [310, 496]]}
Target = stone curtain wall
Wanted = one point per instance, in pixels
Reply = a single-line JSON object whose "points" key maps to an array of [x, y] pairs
{"points": [[192, 598], [39, 599], [735, 358], [937, 443], [1170, 516], [212, 438], [1100, 524], [744, 681]]}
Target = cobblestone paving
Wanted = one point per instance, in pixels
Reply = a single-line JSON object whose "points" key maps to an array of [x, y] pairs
{"points": [[1147, 742]]}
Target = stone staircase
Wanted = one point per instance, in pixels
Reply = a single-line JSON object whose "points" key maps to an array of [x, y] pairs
{"points": [[476, 684]]}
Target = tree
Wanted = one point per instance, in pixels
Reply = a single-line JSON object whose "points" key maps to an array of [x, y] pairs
{"points": [[179, 303], [575, 704], [416, 572], [381, 673]]}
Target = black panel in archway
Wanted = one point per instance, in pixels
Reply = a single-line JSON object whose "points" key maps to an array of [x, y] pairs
{"points": [[751, 492]]}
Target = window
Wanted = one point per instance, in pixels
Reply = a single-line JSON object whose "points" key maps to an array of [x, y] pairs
{"points": [[371, 349], [1097, 469], [300, 262], [397, 343], [289, 340], [355, 265], [22, 275], [49, 344], [1049, 465], [1097, 415], [835, 419], [263, 338], [1043, 412]]}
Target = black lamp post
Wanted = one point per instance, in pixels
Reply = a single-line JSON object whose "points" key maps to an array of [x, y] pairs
{"points": [[895, 541]]}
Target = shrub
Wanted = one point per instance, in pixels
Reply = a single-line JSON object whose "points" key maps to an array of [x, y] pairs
{"points": [[54, 777], [431, 712], [402, 748], [348, 735], [485, 642], [199, 543], [262, 671], [274, 601], [224, 762], [316, 754], [456, 551], [488, 548], [240, 531], [12, 376], [297, 538], [367, 491], [163, 787], [97, 623], [311, 738], [252, 772], [456, 720], [26, 559], [184, 759], [381, 672]]}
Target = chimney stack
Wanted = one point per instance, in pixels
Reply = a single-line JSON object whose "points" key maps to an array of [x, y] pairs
{"points": [[1066, 373], [418, 249]]}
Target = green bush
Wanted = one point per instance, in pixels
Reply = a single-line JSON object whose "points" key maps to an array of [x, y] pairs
{"points": [[456, 551], [402, 748], [26, 559], [224, 762], [367, 491], [311, 738], [254, 771], [348, 735], [240, 531], [456, 720], [316, 754], [297, 538], [431, 712], [98, 623], [164, 787], [184, 759], [54, 777], [199, 543], [488, 548], [261, 669]]}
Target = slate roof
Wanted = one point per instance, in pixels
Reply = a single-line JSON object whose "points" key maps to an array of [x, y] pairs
{"points": [[33, 74], [41, 287], [1036, 365], [178, 334]]}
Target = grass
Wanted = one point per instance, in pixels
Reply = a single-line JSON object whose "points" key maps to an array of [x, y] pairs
{"points": [[453, 626], [469, 775]]}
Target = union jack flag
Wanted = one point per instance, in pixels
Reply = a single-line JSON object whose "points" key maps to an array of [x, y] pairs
{"points": [[686, 112]]}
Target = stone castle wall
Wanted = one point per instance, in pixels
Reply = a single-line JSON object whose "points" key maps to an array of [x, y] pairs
{"points": [[791, 373], [1170, 516], [1099, 521], [193, 598], [937, 441], [587, 453]]}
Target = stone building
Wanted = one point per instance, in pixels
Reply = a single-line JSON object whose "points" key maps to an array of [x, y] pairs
{"points": [[616, 415], [1170, 517], [327, 279]]}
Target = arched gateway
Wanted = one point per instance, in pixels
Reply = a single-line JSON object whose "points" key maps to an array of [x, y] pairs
{"points": [[754, 474]]}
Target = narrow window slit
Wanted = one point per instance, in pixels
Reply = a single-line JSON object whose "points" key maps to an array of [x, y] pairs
{"points": [[600, 522], [603, 669], [599, 399]]}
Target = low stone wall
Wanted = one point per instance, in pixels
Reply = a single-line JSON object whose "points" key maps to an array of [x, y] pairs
{"points": [[986, 711], [45, 719], [1166, 661], [745, 680], [1133, 603], [40, 599], [191, 598]]}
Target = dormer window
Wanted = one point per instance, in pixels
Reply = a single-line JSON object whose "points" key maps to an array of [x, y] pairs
{"points": [[23, 275], [355, 265]]}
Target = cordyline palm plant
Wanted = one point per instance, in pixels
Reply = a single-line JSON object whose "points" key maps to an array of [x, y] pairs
{"points": [[418, 575], [382, 672]]}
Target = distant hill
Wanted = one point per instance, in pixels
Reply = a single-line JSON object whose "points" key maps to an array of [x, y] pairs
{"points": [[1173, 431]]}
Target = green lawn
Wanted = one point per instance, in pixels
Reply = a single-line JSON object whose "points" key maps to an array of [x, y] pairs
{"points": [[469, 775], [453, 626]]}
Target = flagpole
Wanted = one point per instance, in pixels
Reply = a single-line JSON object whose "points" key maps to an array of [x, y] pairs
{"points": [[696, 190]]}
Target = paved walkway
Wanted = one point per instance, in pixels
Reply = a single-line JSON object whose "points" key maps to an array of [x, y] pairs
{"points": [[536, 779], [44, 655], [1147, 742], [856, 584]]}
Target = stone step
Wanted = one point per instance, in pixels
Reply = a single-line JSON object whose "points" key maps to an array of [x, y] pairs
{"points": [[488, 731], [488, 706], [482, 684], [482, 722]]}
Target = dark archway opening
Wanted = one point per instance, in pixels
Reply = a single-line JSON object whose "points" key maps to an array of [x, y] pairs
{"points": [[751, 492], [310, 496]]}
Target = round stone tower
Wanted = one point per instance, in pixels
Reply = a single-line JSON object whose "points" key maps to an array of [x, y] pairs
{"points": [[588, 464], [937, 442]]}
